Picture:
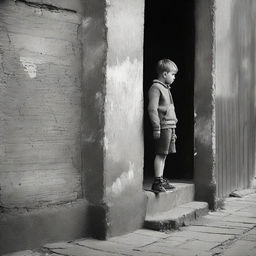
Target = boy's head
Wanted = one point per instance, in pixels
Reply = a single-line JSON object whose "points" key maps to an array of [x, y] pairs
{"points": [[166, 70]]}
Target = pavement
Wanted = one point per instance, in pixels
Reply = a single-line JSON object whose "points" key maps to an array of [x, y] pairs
{"points": [[230, 231]]}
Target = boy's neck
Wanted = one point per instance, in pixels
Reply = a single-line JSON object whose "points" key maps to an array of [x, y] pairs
{"points": [[162, 82], [161, 79]]}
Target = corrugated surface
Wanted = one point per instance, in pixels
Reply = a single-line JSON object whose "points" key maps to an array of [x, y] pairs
{"points": [[235, 95]]}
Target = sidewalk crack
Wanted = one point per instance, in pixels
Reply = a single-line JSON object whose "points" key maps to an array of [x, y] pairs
{"points": [[100, 250], [219, 249]]}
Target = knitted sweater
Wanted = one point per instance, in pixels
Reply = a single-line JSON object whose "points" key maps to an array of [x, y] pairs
{"points": [[161, 107]]}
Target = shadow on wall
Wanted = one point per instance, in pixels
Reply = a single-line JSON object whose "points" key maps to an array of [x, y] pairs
{"points": [[97, 216]]}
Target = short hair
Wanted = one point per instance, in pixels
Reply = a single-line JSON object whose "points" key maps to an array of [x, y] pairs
{"points": [[166, 65]]}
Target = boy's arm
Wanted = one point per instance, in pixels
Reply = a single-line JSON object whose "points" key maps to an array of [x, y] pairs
{"points": [[154, 95]]}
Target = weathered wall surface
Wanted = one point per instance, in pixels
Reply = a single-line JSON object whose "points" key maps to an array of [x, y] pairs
{"points": [[123, 140], [40, 121], [31, 229], [224, 97], [204, 102], [93, 36], [235, 94], [40, 106], [71, 119], [94, 43]]}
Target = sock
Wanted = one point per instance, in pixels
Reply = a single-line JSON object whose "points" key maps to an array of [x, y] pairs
{"points": [[158, 178]]}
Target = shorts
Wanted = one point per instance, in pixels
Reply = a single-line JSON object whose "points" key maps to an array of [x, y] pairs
{"points": [[163, 144]]}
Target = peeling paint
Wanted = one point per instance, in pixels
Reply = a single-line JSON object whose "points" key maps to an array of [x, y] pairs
{"points": [[122, 182], [124, 108], [99, 100], [204, 136], [29, 66], [125, 79], [106, 143]]}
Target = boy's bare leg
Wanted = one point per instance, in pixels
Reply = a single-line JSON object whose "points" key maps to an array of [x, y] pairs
{"points": [[159, 164]]}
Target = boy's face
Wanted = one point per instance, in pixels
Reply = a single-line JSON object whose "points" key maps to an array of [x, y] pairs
{"points": [[169, 77]]}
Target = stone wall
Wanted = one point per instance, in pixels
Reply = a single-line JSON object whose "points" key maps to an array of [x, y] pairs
{"points": [[204, 102], [112, 115], [40, 120], [71, 120], [40, 105], [123, 134]]}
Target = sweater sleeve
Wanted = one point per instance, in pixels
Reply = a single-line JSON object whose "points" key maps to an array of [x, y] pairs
{"points": [[154, 95]]}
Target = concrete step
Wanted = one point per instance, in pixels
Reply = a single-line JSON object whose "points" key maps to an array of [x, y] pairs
{"points": [[181, 215], [162, 202]]}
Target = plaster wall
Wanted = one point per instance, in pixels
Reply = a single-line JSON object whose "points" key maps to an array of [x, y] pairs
{"points": [[204, 102], [123, 134], [40, 106], [71, 119], [40, 124], [94, 47]]}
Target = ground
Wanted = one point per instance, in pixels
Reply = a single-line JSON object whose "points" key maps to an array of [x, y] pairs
{"points": [[230, 231]]}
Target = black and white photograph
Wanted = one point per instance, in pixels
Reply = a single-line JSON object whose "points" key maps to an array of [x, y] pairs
{"points": [[128, 127]]}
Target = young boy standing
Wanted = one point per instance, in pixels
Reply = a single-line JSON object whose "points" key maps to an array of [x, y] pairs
{"points": [[163, 118]]}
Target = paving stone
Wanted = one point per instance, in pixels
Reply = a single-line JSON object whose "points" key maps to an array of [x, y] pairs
{"points": [[176, 237], [161, 247], [241, 248], [170, 243], [251, 208], [205, 221], [241, 202], [249, 237], [25, 253], [253, 231], [232, 208], [76, 250], [144, 253], [106, 246], [190, 235], [199, 245], [135, 240], [153, 233], [235, 218], [61, 245], [156, 251], [215, 230], [243, 213], [219, 214]]}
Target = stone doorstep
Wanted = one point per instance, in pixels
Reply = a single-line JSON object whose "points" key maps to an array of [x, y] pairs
{"points": [[180, 216], [162, 202]]}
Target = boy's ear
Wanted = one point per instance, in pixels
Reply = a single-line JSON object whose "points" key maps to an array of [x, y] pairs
{"points": [[164, 74]]}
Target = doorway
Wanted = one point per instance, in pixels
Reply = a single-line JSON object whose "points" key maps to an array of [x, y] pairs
{"points": [[169, 32]]}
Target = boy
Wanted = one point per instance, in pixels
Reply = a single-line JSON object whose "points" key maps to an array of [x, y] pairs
{"points": [[163, 118]]}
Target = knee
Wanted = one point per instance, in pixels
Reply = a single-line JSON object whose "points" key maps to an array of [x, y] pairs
{"points": [[162, 157]]}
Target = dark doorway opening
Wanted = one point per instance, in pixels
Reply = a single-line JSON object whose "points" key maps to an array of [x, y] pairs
{"points": [[169, 32]]}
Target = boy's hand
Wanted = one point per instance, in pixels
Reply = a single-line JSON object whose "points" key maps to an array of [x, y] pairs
{"points": [[174, 137], [156, 135]]}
